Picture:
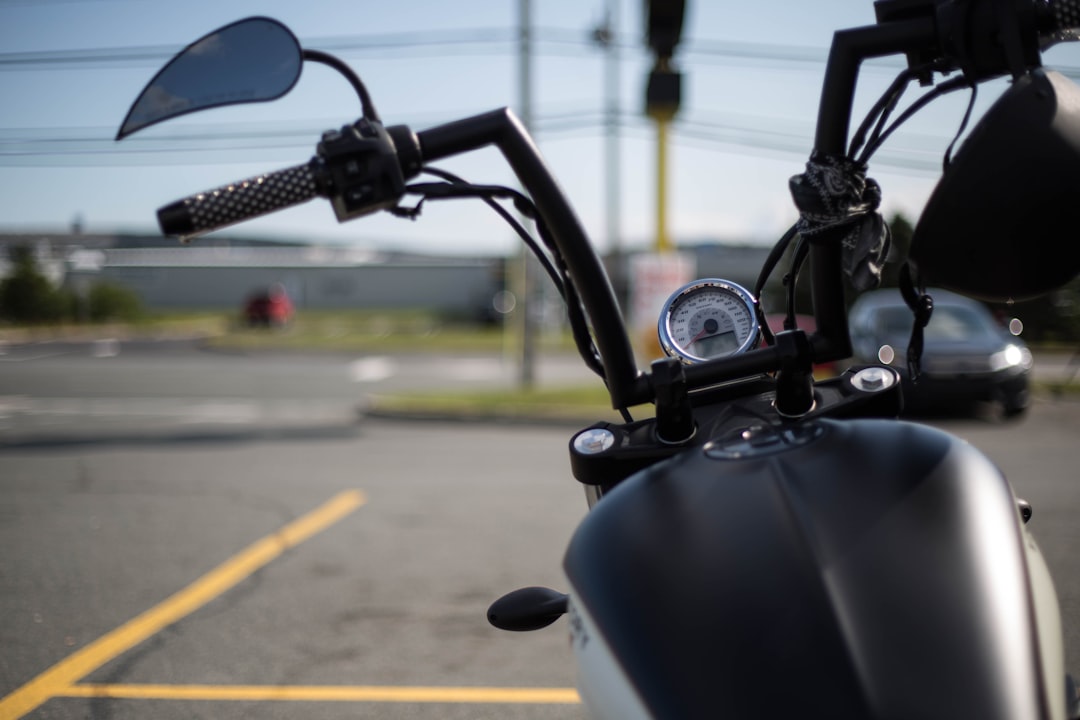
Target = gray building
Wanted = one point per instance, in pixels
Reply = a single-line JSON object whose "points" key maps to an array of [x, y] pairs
{"points": [[314, 277], [221, 273]]}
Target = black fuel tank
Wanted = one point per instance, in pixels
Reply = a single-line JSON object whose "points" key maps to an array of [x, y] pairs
{"points": [[867, 569]]}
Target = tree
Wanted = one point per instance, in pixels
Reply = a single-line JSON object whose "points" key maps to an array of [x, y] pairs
{"points": [[1050, 318], [902, 231], [27, 296], [109, 301]]}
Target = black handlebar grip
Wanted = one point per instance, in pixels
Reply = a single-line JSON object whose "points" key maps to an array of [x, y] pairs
{"points": [[239, 201], [1066, 14], [1059, 21]]}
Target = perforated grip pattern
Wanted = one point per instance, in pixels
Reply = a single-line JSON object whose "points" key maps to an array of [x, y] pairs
{"points": [[1067, 14], [238, 201]]}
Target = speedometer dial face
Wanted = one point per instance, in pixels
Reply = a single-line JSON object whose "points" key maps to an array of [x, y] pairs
{"points": [[708, 319]]}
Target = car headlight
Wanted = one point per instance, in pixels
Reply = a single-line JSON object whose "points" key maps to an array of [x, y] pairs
{"points": [[1009, 357]]}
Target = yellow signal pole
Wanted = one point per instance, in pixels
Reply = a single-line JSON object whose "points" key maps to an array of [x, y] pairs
{"points": [[657, 275], [663, 95], [662, 99], [663, 237]]}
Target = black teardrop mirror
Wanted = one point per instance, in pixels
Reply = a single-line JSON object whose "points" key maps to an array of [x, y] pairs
{"points": [[999, 224], [252, 60]]}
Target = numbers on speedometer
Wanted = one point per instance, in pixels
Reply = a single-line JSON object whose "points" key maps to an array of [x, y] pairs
{"points": [[709, 319]]}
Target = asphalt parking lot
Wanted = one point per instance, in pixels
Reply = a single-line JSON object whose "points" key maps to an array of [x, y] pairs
{"points": [[344, 574], [170, 563]]}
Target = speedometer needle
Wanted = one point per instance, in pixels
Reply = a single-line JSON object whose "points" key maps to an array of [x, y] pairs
{"points": [[711, 326]]}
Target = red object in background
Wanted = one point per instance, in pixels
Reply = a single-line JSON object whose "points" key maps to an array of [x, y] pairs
{"points": [[271, 308]]}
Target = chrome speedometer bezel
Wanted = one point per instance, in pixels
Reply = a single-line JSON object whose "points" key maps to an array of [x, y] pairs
{"points": [[673, 349]]}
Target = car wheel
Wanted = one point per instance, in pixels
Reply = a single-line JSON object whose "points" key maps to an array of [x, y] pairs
{"points": [[1011, 410]]}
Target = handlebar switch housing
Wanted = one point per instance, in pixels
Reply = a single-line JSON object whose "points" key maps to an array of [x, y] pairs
{"points": [[407, 146], [359, 169]]}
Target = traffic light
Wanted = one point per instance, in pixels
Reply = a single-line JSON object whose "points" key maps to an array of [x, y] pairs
{"points": [[664, 23], [663, 94]]}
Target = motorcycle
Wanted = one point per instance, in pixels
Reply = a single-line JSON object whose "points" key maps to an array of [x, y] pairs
{"points": [[766, 545]]}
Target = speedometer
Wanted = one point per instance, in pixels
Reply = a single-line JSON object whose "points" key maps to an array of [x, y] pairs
{"points": [[709, 319]]}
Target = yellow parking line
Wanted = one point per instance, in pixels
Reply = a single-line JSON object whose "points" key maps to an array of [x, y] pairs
{"points": [[58, 679], [360, 693]]}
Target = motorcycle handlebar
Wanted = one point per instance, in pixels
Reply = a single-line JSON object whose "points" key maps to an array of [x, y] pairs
{"points": [[903, 27], [239, 201], [503, 130]]}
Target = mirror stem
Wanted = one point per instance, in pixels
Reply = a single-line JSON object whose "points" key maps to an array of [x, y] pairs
{"points": [[367, 106]]}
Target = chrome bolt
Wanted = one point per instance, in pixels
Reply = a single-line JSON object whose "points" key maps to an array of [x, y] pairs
{"points": [[593, 441], [873, 379]]}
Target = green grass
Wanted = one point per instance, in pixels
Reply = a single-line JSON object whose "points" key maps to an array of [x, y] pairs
{"points": [[364, 331], [585, 405], [376, 331], [580, 405], [188, 324], [1059, 389]]}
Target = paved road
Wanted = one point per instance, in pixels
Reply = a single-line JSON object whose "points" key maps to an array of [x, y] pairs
{"points": [[106, 511], [110, 391], [129, 472], [392, 595]]}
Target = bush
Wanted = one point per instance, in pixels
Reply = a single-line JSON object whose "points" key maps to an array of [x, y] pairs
{"points": [[108, 301], [27, 296]]}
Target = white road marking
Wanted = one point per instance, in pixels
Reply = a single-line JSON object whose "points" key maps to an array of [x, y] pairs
{"points": [[186, 411], [29, 358], [371, 369], [107, 347], [473, 369]]}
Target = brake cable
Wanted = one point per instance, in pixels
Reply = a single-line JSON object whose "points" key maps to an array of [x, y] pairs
{"points": [[455, 187], [767, 268], [822, 214], [957, 83], [881, 110], [947, 160]]}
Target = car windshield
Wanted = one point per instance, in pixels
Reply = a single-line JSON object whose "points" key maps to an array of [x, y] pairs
{"points": [[948, 322]]}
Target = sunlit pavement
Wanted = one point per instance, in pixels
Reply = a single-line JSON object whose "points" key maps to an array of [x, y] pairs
{"points": [[87, 391], [283, 576], [132, 475]]}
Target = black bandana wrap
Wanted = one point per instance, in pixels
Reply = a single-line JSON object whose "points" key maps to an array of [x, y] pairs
{"points": [[839, 204]]}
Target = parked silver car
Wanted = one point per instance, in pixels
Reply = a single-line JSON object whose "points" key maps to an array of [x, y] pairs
{"points": [[968, 355]]}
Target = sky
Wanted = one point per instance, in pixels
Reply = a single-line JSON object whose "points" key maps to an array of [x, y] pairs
{"points": [[752, 77]]}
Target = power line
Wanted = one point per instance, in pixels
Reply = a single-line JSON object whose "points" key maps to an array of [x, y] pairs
{"points": [[224, 144], [21, 3], [550, 41], [142, 55], [57, 141], [306, 130], [29, 146]]}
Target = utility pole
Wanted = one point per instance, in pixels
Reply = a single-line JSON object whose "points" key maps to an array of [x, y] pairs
{"points": [[527, 265], [606, 35]]}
